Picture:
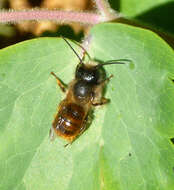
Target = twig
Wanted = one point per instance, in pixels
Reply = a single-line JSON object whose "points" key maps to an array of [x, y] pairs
{"points": [[13, 16]]}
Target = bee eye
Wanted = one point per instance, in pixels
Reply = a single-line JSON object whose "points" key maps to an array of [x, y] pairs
{"points": [[87, 74]]}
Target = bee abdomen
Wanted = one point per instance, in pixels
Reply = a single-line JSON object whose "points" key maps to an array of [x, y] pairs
{"points": [[69, 119]]}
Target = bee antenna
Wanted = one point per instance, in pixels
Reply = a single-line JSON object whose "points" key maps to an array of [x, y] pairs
{"points": [[117, 61], [73, 50]]}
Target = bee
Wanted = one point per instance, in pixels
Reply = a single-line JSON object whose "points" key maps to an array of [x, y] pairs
{"points": [[82, 93]]}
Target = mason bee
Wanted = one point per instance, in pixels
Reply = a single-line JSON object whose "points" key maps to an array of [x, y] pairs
{"points": [[83, 92]]}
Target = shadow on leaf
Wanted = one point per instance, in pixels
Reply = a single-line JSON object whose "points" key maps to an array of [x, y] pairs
{"points": [[160, 17]]}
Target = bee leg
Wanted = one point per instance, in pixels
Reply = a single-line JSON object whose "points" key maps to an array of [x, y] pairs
{"points": [[52, 134], [59, 82], [106, 80], [102, 101]]}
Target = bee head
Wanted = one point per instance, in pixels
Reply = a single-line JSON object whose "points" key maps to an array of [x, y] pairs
{"points": [[87, 73], [92, 74]]}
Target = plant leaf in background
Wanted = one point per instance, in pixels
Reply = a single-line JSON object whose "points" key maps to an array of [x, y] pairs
{"points": [[157, 14], [134, 7], [127, 146]]}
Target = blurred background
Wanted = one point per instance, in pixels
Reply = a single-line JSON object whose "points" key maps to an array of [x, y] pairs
{"points": [[13, 33], [156, 15]]}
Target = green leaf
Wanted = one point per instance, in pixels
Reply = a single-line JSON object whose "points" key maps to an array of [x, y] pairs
{"points": [[127, 146], [156, 14], [133, 8]]}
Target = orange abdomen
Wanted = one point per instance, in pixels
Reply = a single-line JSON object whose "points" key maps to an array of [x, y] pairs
{"points": [[69, 120]]}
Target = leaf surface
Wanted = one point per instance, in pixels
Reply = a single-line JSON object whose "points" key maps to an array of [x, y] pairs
{"points": [[128, 144]]}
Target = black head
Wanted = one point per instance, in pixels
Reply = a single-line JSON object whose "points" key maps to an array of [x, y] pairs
{"points": [[87, 73], [92, 74]]}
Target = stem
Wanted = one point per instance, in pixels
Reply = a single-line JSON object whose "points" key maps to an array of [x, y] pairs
{"points": [[14, 16], [105, 10]]}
